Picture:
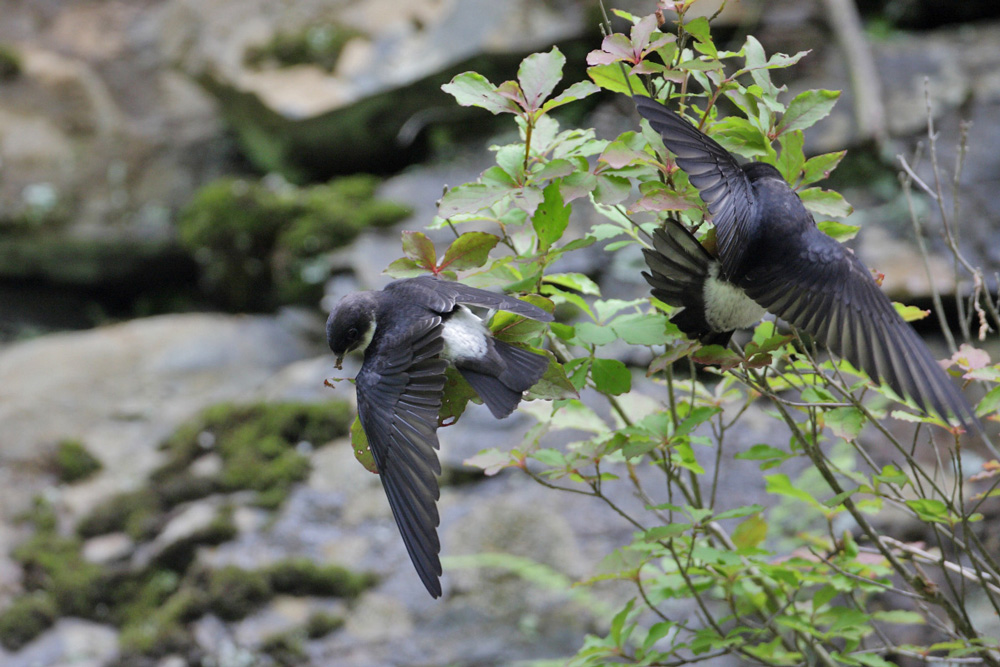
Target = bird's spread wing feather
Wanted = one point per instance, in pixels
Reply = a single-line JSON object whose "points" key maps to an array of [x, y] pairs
{"points": [[826, 291], [399, 392], [712, 170], [442, 295]]}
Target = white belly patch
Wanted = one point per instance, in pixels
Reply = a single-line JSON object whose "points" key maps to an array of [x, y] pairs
{"points": [[464, 336], [727, 307]]}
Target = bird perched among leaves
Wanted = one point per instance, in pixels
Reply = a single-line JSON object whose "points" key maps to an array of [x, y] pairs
{"points": [[772, 257], [409, 332]]}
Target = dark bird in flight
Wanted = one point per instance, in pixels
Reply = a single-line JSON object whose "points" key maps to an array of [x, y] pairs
{"points": [[772, 257], [409, 332]]}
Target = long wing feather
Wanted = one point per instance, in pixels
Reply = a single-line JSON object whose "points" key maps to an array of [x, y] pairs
{"points": [[719, 179], [399, 392]]}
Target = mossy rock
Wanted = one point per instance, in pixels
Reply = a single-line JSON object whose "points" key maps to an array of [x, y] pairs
{"points": [[301, 576], [286, 649], [73, 462], [257, 444], [137, 513], [163, 630], [26, 618], [262, 243], [321, 623], [318, 45], [180, 554], [10, 63], [233, 593]]}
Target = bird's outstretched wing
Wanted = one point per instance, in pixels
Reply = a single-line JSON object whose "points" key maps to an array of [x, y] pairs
{"points": [[442, 295], [820, 287], [399, 392], [714, 172]]}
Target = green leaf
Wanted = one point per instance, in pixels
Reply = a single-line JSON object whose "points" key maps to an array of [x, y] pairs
{"points": [[610, 77], [577, 91], [657, 533], [750, 532], [538, 75], [559, 296], [576, 281], [618, 634], [990, 403], [841, 497], [739, 512], [806, 109], [469, 251], [420, 249], [929, 509], [404, 267], [716, 355], [611, 190], [553, 384], [819, 167], [900, 616], [359, 443], [910, 313], [595, 334], [845, 422], [551, 217], [657, 196], [456, 396], [791, 160], [611, 376], [738, 135], [825, 202], [781, 485], [762, 452], [512, 328], [699, 29], [472, 198], [838, 231], [471, 89], [653, 329]]}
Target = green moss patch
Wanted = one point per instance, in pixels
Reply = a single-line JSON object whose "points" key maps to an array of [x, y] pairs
{"points": [[257, 444], [73, 462], [321, 623], [301, 576], [318, 45], [26, 618], [10, 63], [261, 244], [58, 580]]}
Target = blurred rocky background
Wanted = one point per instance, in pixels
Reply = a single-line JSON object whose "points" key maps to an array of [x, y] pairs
{"points": [[181, 183]]}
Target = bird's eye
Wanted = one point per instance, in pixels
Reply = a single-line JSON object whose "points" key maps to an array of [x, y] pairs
{"points": [[352, 332]]}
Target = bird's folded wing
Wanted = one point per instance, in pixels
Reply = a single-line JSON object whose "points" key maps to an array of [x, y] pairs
{"points": [[399, 392], [442, 295], [827, 292], [719, 179]]}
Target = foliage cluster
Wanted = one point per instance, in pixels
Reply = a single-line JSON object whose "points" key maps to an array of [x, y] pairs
{"points": [[263, 243], [806, 578]]}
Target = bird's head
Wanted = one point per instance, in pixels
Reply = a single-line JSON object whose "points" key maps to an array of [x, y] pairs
{"points": [[351, 324]]}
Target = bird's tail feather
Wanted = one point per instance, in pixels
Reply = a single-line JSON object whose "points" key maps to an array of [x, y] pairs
{"points": [[502, 393], [679, 266]]}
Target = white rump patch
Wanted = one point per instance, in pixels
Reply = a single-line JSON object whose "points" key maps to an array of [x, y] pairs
{"points": [[464, 336], [727, 307]]}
